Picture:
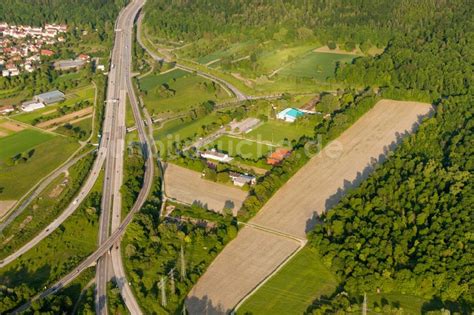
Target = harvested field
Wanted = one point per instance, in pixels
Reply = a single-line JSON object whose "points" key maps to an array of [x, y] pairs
{"points": [[187, 186], [12, 126], [254, 254], [65, 118], [324, 180], [314, 189]]}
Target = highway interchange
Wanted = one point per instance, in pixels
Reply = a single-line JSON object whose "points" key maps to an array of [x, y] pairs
{"points": [[110, 153]]}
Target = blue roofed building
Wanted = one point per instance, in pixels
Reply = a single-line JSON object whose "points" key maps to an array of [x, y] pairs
{"points": [[290, 114]]}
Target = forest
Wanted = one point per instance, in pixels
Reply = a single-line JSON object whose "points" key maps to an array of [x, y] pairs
{"points": [[93, 14], [355, 21], [408, 227]]}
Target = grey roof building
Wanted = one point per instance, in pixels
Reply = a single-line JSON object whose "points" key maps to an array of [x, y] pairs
{"points": [[68, 64], [50, 97]]}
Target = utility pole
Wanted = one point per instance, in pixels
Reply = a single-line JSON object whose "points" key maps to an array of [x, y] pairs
{"points": [[172, 285], [364, 305], [183, 264], [163, 292]]}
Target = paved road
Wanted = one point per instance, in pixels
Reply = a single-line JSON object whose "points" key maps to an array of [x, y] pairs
{"points": [[240, 95], [39, 189], [84, 191], [116, 98]]}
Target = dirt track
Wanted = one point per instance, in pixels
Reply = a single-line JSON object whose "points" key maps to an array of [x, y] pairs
{"points": [[188, 186], [316, 187], [65, 118]]}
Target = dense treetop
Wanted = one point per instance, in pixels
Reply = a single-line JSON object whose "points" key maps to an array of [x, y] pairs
{"points": [[94, 13], [288, 20]]}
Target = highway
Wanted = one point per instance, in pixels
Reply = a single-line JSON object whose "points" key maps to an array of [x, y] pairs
{"points": [[84, 191], [111, 197]]}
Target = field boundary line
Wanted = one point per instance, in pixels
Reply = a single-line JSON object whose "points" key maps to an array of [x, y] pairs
{"points": [[278, 268], [274, 232]]}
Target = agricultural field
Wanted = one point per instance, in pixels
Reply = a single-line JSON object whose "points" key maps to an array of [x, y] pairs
{"points": [[247, 149], [187, 186], [316, 65], [28, 156], [292, 289], [292, 209], [177, 91]]}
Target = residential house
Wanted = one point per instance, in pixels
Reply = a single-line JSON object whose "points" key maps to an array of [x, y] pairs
{"points": [[278, 156]]}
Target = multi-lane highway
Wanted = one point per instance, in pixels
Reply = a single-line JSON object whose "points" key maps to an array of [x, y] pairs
{"points": [[111, 198]]}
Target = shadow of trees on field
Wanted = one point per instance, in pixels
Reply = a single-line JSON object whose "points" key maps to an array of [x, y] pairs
{"points": [[204, 306]]}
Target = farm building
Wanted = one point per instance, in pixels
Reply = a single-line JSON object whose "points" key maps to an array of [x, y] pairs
{"points": [[50, 97], [216, 156], [242, 179], [290, 114], [31, 106], [278, 156]]}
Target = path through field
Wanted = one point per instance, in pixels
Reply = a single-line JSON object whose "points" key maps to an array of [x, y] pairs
{"points": [[256, 253]]}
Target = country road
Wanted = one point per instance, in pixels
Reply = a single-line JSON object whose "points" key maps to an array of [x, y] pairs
{"points": [[238, 94]]}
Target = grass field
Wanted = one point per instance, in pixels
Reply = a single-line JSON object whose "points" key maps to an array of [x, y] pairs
{"points": [[315, 65], [245, 148], [185, 90], [274, 59], [49, 152], [409, 303], [292, 289], [44, 208], [57, 254], [22, 141], [178, 130], [150, 81], [277, 131]]}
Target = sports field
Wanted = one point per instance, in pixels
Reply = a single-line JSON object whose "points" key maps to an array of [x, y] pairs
{"points": [[315, 65], [44, 153], [247, 149], [277, 131], [292, 289]]}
